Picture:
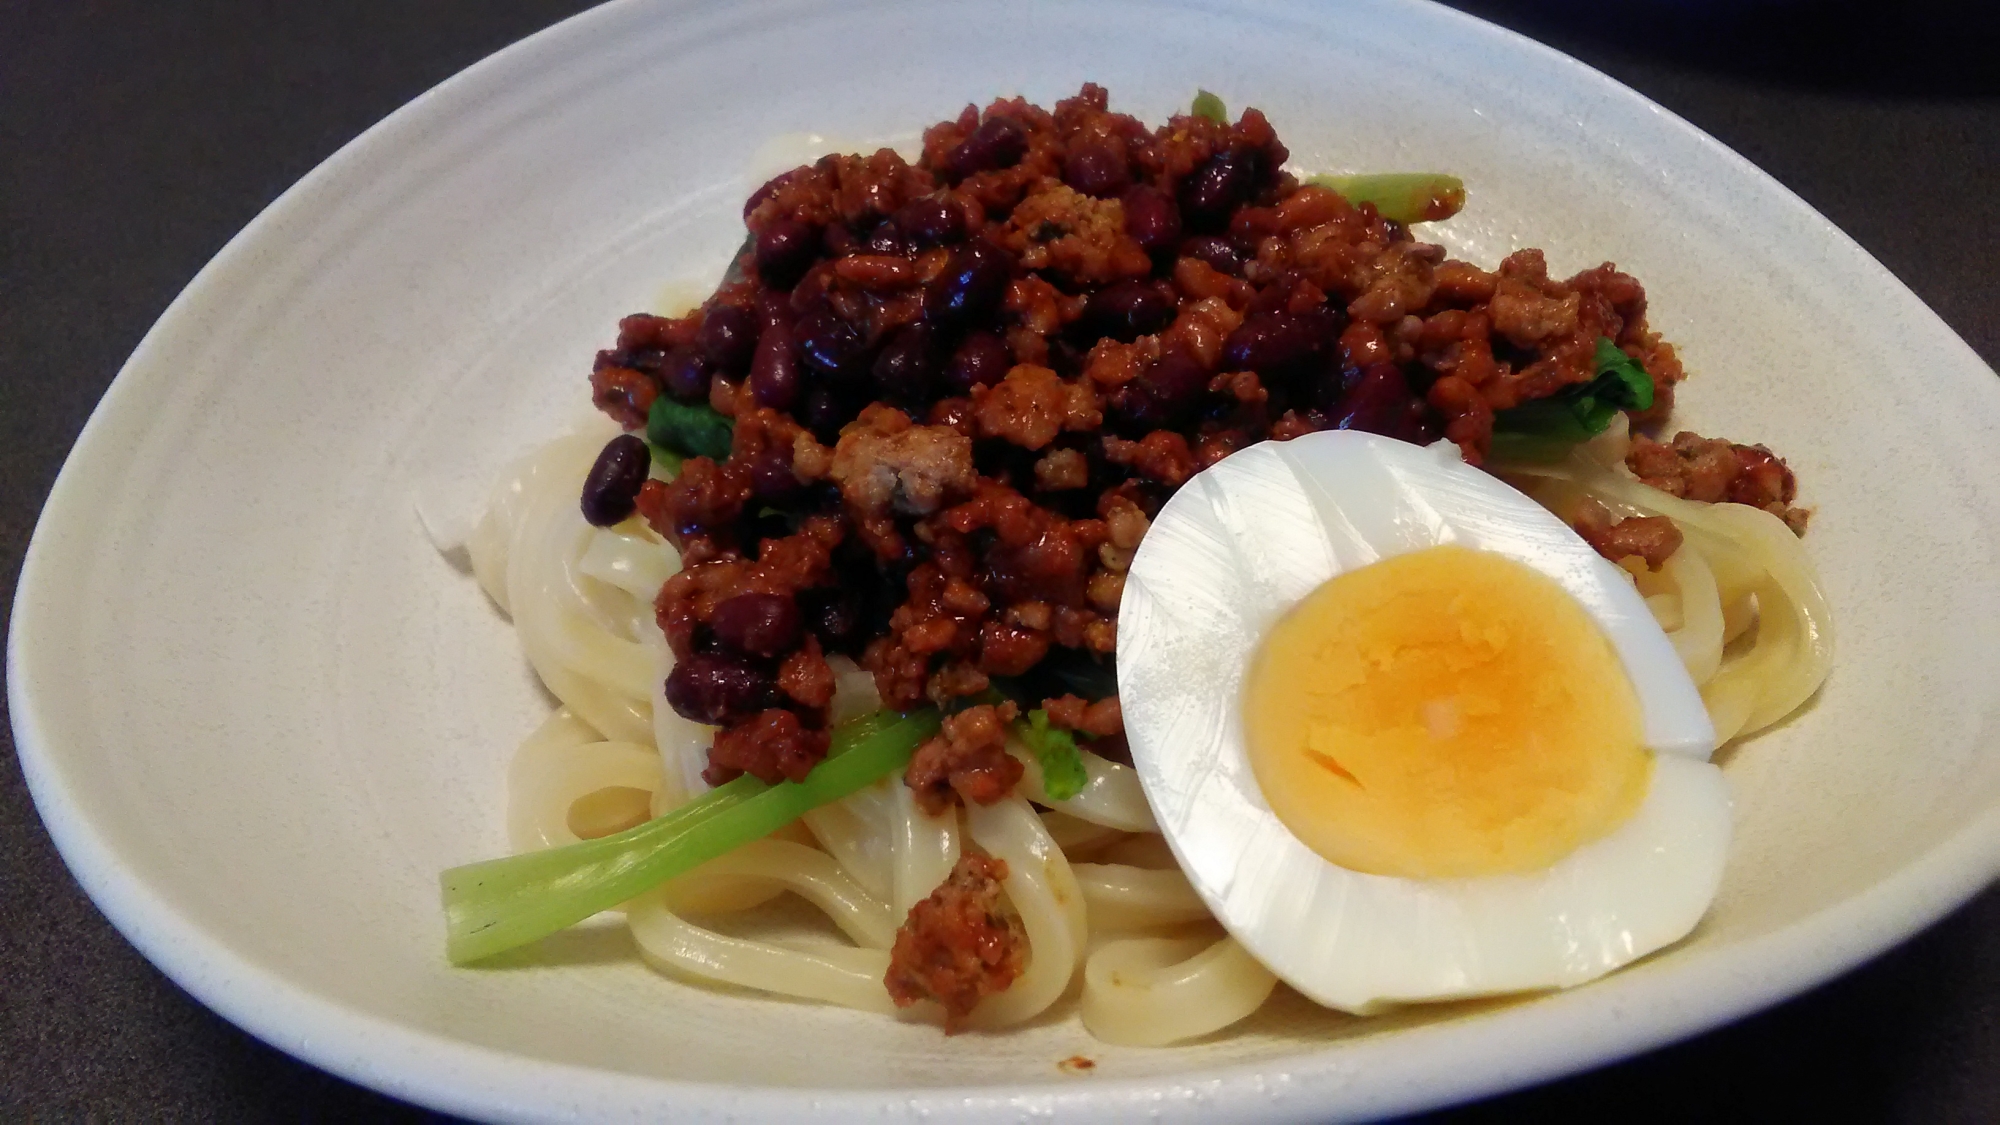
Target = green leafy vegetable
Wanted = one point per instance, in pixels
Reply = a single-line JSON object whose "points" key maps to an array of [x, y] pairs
{"points": [[501, 904], [1546, 428], [1406, 197], [1062, 763], [1209, 106], [681, 429]]}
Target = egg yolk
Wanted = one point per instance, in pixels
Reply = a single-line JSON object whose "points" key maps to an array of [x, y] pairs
{"points": [[1443, 713]]}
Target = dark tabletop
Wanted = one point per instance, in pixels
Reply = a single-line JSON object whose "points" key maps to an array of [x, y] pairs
{"points": [[136, 138]]}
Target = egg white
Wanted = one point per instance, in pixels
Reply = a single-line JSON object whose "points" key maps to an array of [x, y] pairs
{"points": [[1247, 539]]}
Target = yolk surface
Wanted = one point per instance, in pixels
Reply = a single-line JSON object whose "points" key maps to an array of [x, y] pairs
{"points": [[1443, 713]]}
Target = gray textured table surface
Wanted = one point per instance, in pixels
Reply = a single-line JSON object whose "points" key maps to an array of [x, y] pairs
{"points": [[136, 138]]}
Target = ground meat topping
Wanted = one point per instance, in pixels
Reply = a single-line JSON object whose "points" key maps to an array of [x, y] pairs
{"points": [[1073, 236], [1652, 538], [1712, 471], [624, 393], [1032, 405], [967, 761], [883, 461], [959, 387], [1102, 719], [772, 747], [958, 946]]}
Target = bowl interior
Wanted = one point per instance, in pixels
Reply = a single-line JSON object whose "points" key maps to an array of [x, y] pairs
{"points": [[261, 714]]}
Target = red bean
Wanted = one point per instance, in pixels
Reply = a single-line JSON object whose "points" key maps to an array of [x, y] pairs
{"points": [[983, 359], [1130, 309], [827, 343], [1219, 253], [1421, 425], [1151, 219], [931, 220], [1165, 395], [836, 241], [997, 143], [1211, 192], [785, 249], [612, 486], [1378, 402], [835, 616], [1096, 170], [729, 337], [773, 307], [772, 479], [972, 285], [709, 687], [774, 370], [908, 364], [757, 624], [826, 410], [887, 238], [1273, 344], [684, 373]]}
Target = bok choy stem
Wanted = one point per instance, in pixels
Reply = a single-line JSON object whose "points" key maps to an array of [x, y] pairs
{"points": [[1406, 197], [501, 904]]}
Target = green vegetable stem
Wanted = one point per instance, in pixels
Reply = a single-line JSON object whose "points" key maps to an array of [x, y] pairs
{"points": [[1406, 197], [502, 904]]}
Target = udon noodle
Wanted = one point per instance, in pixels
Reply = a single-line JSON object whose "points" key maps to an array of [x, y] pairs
{"points": [[1091, 880]]}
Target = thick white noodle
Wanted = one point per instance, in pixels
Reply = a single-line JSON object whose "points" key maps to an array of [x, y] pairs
{"points": [[582, 600], [854, 693], [1793, 650], [1121, 897], [548, 777], [1749, 553], [857, 831], [1079, 837], [631, 558], [1697, 636], [1152, 991], [816, 877], [1147, 849], [524, 551], [1045, 895], [922, 848], [545, 586], [850, 976], [1111, 793], [683, 742]]}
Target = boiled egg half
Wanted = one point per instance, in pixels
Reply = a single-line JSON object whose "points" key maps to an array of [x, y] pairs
{"points": [[1410, 738]]}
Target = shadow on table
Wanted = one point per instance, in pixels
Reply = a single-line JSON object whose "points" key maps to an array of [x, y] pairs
{"points": [[1922, 48]]}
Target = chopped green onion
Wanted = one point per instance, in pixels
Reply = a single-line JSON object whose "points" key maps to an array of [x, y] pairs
{"points": [[1209, 106], [1063, 776], [501, 904], [687, 429], [1406, 197], [1545, 429]]}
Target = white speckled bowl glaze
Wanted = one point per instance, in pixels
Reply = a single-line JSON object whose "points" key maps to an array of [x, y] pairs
{"points": [[259, 715]]}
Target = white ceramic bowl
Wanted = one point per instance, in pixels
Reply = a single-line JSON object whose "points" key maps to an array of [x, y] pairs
{"points": [[259, 715]]}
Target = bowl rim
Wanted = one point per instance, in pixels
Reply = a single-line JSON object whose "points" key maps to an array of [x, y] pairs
{"points": [[1636, 1010]]}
